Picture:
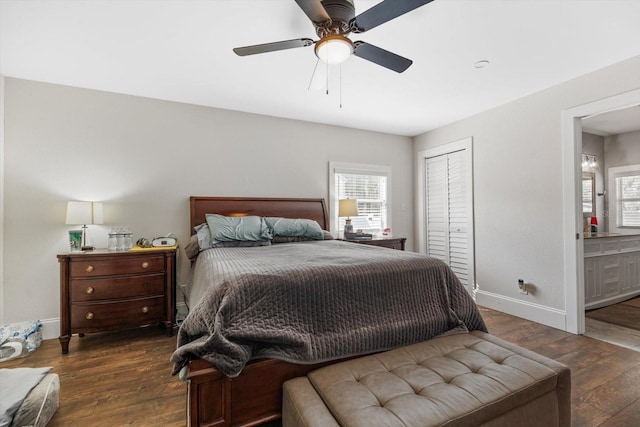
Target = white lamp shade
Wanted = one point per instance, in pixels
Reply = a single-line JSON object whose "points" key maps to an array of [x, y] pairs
{"points": [[98, 216], [82, 213], [348, 207]]}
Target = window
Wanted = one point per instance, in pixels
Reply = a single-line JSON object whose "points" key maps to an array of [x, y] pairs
{"points": [[369, 185], [628, 198]]}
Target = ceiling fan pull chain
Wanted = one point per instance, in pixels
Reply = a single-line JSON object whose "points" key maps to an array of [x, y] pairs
{"points": [[340, 85], [327, 92], [313, 74]]}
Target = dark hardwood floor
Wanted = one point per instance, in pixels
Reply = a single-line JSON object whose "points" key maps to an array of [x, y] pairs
{"points": [[123, 378], [114, 379]]}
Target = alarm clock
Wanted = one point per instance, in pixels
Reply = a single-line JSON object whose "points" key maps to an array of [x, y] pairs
{"points": [[163, 241]]}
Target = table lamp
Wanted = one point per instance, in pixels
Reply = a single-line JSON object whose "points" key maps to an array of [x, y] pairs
{"points": [[348, 208], [83, 213]]}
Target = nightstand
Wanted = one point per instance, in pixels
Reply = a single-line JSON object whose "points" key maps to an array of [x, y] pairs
{"points": [[385, 242], [108, 291]]}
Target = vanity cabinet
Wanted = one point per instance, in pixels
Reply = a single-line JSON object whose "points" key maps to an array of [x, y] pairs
{"points": [[611, 271]]}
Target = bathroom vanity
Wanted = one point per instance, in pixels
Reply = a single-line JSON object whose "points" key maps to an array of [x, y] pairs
{"points": [[611, 268]]}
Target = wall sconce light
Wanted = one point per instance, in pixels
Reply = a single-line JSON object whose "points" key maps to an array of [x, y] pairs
{"points": [[589, 161], [83, 213]]}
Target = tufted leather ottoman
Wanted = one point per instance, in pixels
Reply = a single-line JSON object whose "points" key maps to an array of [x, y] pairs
{"points": [[472, 379]]}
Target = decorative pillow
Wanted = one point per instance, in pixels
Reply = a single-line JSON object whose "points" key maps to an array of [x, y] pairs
{"points": [[240, 228], [192, 249], [204, 236], [288, 227]]}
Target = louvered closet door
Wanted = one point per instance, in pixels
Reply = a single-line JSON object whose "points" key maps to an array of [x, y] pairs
{"points": [[447, 212]]}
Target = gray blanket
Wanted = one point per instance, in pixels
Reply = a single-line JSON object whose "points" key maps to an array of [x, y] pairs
{"points": [[308, 302]]}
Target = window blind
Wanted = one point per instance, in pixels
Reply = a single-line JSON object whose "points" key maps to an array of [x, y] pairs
{"points": [[628, 198], [370, 190]]}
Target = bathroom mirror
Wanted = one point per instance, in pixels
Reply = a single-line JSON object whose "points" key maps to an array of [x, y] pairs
{"points": [[588, 194]]}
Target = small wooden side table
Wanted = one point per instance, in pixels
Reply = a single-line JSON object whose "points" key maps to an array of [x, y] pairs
{"points": [[108, 291], [385, 242]]}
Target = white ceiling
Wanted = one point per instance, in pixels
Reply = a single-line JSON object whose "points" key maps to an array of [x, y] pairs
{"points": [[182, 51], [613, 122]]}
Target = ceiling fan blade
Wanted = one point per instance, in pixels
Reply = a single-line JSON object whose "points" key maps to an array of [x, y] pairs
{"points": [[272, 47], [314, 10], [382, 57], [383, 12]]}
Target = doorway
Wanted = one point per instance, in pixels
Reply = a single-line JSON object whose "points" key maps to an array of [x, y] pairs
{"points": [[611, 155], [572, 206]]}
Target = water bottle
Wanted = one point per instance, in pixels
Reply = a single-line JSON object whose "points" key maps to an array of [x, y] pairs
{"points": [[128, 239], [113, 241], [120, 240]]}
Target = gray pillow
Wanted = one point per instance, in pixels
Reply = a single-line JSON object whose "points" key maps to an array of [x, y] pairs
{"points": [[237, 228], [288, 227], [192, 249], [204, 236], [241, 244]]}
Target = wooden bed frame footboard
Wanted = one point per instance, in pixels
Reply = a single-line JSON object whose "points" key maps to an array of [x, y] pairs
{"points": [[255, 396], [252, 398]]}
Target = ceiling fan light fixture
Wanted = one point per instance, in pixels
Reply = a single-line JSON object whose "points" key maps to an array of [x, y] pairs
{"points": [[334, 49]]}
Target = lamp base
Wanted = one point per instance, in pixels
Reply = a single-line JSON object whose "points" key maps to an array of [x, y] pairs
{"points": [[87, 248], [348, 227]]}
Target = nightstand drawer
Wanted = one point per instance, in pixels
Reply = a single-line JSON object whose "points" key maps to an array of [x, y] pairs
{"points": [[102, 267], [390, 245], [117, 288], [116, 315]]}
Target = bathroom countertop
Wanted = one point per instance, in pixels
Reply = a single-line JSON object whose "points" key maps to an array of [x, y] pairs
{"points": [[606, 234]]}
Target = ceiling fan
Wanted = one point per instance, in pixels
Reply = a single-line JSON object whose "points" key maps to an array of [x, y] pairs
{"points": [[334, 20]]}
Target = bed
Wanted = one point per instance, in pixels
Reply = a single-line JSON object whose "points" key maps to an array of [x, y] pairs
{"points": [[265, 322]]}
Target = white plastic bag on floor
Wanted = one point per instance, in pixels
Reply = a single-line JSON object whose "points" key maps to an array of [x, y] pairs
{"points": [[19, 339]]}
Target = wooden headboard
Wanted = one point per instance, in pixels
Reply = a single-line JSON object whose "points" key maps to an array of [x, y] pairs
{"points": [[314, 209]]}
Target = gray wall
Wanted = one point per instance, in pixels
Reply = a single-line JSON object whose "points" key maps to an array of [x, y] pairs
{"points": [[143, 158], [622, 149], [518, 196]]}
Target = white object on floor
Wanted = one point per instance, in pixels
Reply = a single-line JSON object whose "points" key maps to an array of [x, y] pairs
{"points": [[16, 385]]}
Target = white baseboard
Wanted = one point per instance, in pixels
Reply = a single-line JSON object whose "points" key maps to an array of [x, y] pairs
{"points": [[535, 312], [50, 328]]}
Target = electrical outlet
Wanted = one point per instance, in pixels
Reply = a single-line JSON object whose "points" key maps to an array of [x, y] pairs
{"points": [[522, 286]]}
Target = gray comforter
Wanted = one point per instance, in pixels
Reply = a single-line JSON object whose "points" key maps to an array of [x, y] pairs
{"points": [[308, 302]]}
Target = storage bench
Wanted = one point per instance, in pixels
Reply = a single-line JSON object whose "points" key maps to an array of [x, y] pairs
{"points": [[472, 379]]}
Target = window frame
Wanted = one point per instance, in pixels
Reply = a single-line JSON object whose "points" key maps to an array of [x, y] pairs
{"points": [[361, 169], [615, 213]]}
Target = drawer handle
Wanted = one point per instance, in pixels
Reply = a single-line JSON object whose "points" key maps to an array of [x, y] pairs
{"points": [[145, 264], [145, 309], [89, 316], [90, 290], [90, 268]]}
